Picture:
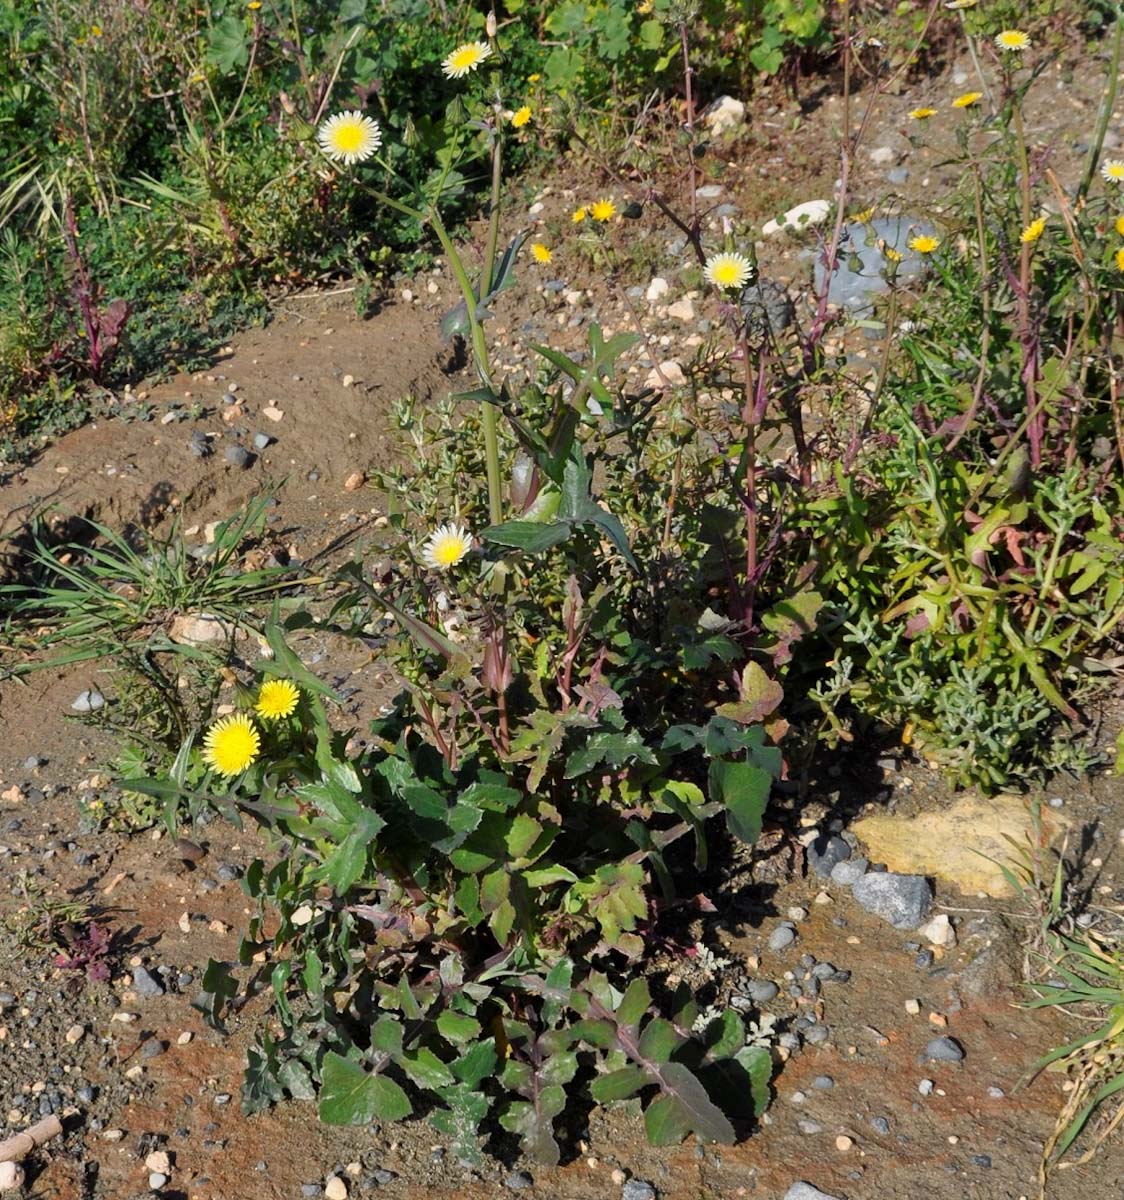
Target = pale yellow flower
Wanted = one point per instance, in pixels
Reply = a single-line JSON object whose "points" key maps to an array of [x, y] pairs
{"points": [[922, 114], [446, 546], [728, 271], [924, 244], [579, 215], [894, 256], [231, 744], [1012, 39], [967, 100], [465, 59], [349, 137]]}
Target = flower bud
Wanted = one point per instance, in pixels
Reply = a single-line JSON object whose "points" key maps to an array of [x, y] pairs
{"points": [[490, 26]]}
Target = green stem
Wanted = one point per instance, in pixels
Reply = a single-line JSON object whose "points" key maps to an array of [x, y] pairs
{"points": [[1105, 115], [480, 354]]}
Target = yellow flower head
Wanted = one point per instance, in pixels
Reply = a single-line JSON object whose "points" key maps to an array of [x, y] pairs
{"points": [[967, 100], [579, 215], [349, 137], [231, 744], [1112, 170], [446, 546], [923, 114], [534, 78], [861, 218], [894, 256], [602, 210], [728, 271], [465, 59], [254, 5], [1033, 231], [924, 244], [542, 253], [1119, 256], [1120, 226], [277, 698], [1012, 39], [521, 116], [957, 4]]}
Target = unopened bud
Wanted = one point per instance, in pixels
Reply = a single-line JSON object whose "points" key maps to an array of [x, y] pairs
{"points": [[286, 103], [490, 26]]}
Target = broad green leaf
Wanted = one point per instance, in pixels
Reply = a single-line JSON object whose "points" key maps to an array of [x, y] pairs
{"points": [[529, 536], [617, 1085], [659, 1040], [743, 789], [426, 1069], [684, 1108], [349, 1095]]}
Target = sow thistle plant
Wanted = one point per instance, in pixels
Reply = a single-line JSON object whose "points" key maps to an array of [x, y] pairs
{"points": [[455, 917]]}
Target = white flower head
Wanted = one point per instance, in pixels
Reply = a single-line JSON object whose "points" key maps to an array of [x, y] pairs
{"points": [[465, 59], [1112, 170], [446, 546], [728, 271], [349, 137]]}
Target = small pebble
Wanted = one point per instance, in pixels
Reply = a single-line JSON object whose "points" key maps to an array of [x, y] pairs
{"points": [[880, 1125], [762, 990], [924, 960], [809, 1127], [638, 1189], [782, 937], [518, 1181], [335, 1189], [237, 456], [156, 1181], [823, 1083], [996, 1093], [982, 1160], [262, 441], [844, 1143], [88, 701], [925, 1087], [944, 1049]]}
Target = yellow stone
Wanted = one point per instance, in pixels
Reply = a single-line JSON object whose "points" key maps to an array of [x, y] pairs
{"points": [[963, 844]]}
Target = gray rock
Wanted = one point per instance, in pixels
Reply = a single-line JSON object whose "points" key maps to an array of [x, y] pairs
{"points": [[156, 1180], [638, 1189], [228, 873], [7, 1000], [816, 1035], [237, 456], [880, 1125], [87, 702], [807, 1125], [86, 1095], [849, 872], [861, 270], [228, 399], [146, 984], [903, 900], [924, 960], [898, 175], [517, 1181], [925, 1087], [782, 937], [262, 440], [823, 1083], [825, 852], [805, 1191], [761, 991], [199, 445], [944, 1049], [709, 191], [153, 1048], [32, 762]]}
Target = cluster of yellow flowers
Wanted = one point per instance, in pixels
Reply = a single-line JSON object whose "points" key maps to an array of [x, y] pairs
{"points": [[599, 210], [233, 743]]}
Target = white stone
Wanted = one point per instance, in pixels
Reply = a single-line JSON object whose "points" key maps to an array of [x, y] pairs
{"points": [[681, 310], [335, 1189], [11, 1176], [669, 374], [75, 1034], [302, 916], [939, 931], [196, 629], [657, 289], [811, 212], [883, 156], [159, 1160], [724, 114]]}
